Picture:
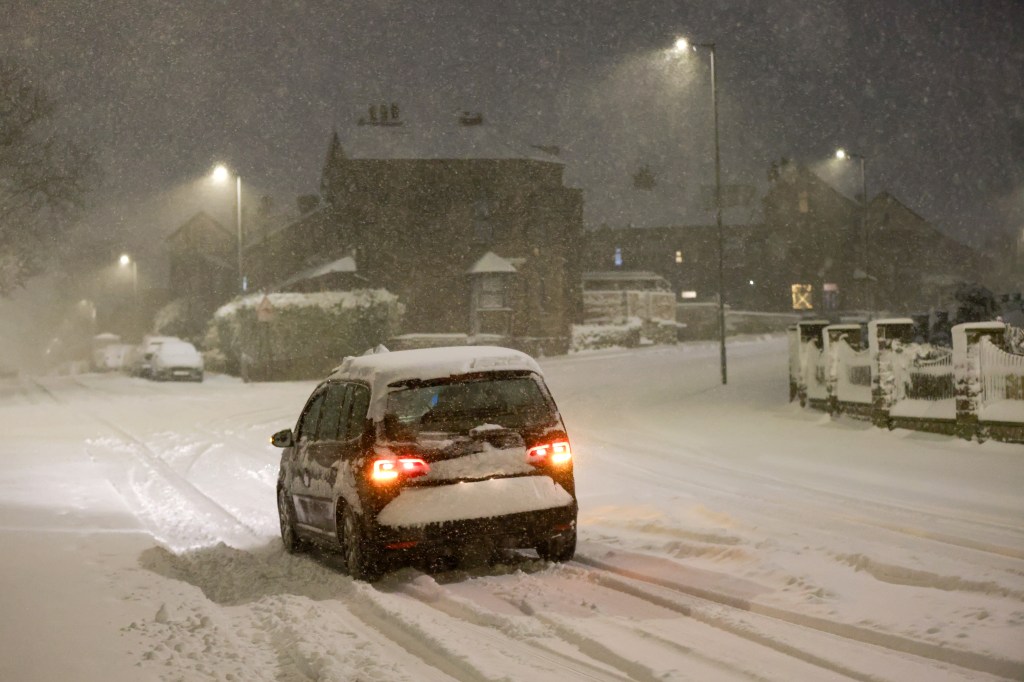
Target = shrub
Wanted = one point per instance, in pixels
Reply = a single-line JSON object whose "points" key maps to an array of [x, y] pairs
{"points": [[307, 336]]}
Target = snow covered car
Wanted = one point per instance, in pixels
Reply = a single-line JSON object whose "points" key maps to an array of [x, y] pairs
{"points": [[446, 453], [139, 360], [174, 359]]}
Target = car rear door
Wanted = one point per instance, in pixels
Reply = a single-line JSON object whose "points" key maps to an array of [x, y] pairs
{"points": [[321, 457], [299, 483], [337, 445]]}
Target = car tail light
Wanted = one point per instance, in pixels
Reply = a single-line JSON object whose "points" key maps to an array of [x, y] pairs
{"points": [[557, 454], [389, 470]]}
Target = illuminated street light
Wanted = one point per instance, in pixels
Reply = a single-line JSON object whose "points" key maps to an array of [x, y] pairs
{"points": [[682, 45], [125, 260], [842, 154], [221, 175]]}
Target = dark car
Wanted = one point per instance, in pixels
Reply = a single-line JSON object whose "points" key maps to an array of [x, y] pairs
{"points": [[443, 453]]}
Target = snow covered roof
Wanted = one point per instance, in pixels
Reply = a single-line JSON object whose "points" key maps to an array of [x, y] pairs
{"points": [[491, 262], [322, 299], [381, 369], [446, 140], [346, 264]]}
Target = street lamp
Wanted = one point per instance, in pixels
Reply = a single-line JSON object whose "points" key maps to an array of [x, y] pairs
{"points": [[682, 45], [842, 155], [221, 175], [125, 260]]}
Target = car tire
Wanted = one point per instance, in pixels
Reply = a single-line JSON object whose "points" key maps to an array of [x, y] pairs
{"points": [[360, 559], [559, 548], [286, 515]]}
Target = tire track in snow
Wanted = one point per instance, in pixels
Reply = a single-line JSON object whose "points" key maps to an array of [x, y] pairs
{"points": [[505, 631], [887, 509], [611, 575], [704, 460], [628, 637], [197, 504], [175, 493]]}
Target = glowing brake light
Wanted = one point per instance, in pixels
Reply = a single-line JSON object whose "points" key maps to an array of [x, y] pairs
{"points": [[389, 470], [557, 453]]}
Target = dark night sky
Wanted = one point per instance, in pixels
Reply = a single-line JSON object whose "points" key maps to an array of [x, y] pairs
{"points": [[930, 91]]}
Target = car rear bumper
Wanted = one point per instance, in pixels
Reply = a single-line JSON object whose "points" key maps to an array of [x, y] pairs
{"points": [[511, 531], [179, 374]]}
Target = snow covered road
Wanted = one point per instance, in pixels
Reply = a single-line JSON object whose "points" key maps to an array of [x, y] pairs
{"points": [[725, 535]]}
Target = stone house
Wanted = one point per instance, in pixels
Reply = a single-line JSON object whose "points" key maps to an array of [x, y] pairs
{"points": [[477, 235]]}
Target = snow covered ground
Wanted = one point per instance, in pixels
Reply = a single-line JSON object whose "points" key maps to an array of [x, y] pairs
{"points": [[725, 535]]}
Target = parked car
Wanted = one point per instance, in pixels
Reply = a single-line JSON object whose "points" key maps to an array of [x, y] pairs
{"points": [[139, 362], [174, 359], [447, 453], [100, 345], [111, 357]]}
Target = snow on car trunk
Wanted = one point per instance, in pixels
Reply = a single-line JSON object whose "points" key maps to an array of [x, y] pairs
{"points": [[419, 506]]}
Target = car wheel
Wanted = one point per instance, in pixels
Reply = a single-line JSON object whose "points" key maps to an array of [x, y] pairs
{"points": [[559, 548], [359, 558], [286, 514]]}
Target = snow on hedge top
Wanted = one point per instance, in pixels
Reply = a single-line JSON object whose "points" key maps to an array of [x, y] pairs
{"points": [[320, 299], [381, 369]]}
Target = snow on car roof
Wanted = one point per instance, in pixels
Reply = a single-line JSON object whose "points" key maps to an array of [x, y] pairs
{"points": [[384, 368]]}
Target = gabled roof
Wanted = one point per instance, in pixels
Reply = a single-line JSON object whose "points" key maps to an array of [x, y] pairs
{"points": [[886, 198], [201, 219], [420, 140], [342, 265], [491, 262]]}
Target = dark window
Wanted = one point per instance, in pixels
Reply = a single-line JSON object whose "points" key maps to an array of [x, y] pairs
{"points": [[330, 413], [492, 292], [357, 404], [310, 417], [458, 406]]}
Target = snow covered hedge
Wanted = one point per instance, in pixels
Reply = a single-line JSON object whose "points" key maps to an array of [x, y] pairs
{"points": [[593, 336], [306, 336]]}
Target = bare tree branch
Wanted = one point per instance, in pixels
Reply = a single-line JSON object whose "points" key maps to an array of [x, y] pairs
{"points": [[43, 178]]}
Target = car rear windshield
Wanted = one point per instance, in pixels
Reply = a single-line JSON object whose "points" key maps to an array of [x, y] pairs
{"points": [[456, 406]]}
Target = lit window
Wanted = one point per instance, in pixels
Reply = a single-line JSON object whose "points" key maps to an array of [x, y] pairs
{"points": [[679, 256], [804, 203], [618, 257], [802, 296]]}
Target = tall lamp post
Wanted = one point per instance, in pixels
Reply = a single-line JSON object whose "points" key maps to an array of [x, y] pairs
{"points": [[842, 154], [221, 175], [127, 261], [124, 261], [682, 45]]}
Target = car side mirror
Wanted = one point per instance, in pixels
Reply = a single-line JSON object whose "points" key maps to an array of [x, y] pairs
{"points": [[283, 439]]}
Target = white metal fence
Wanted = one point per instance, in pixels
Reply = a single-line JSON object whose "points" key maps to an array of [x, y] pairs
{"points": [[1002, 374], [853, 380], [924, 373]]}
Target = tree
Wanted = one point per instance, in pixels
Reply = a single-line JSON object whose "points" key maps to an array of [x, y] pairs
{"points": [[974, 303], [43, 178]]}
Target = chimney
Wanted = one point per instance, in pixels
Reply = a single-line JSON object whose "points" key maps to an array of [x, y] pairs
{"points": [[383, 114]]}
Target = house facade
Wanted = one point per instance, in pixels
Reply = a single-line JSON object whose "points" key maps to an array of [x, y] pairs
{"points": [[814, 250], [477, 235], [203, 270]]}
